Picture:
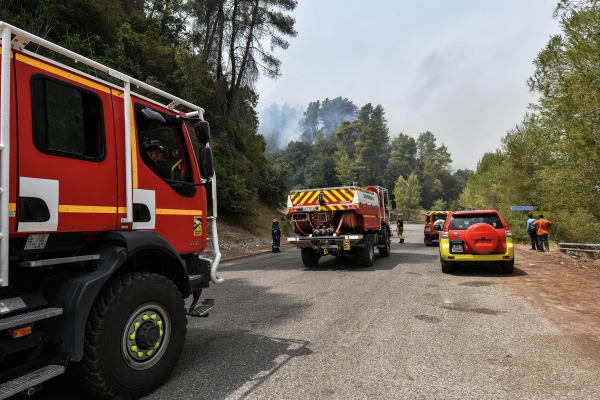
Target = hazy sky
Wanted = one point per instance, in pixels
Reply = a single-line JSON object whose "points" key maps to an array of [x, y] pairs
{"points": [[457, 68]]}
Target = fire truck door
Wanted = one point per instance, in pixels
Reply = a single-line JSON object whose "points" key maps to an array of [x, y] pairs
{"points": [[165, 172], [67, 162]]}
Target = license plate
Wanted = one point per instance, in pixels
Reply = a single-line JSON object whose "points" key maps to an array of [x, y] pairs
{"points": [[37, 241], [457, 248], [309, 208]]}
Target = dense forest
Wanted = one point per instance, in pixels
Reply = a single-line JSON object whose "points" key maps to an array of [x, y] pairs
{"points": [[551, 159], [212, 52], [340, 142], [208, 52]]}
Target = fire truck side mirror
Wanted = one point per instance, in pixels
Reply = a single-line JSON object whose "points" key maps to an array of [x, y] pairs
{"points": [[202, 132], [152, 117], [393, 204], [207, 169]]}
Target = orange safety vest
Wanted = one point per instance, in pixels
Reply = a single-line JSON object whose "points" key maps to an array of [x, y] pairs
{"points": [[542, 226]]}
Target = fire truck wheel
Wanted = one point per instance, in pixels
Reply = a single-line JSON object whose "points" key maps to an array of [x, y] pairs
{"points": [[134, 336], [385, 251], [366, 255], [310, 258]]}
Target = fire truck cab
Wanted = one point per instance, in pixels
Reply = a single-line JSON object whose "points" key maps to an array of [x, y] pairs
{"points": [[103, 216]]}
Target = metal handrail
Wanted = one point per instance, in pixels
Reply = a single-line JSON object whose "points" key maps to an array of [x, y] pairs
{"points": [[580, 244], [215, 264], [4, 157], [579, 247]]}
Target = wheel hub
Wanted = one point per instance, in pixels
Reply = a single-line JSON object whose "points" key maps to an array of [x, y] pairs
{"points": [[145, 336]]}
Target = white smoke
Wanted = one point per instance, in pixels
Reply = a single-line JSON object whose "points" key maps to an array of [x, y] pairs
{"points": [[279, 124]]}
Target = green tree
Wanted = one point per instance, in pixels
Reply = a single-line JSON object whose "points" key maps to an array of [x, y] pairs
{"points": [[364, 114], [347, 134], [408, 196], [438, 205], [372, 153], [402, 159], [343, 166]]}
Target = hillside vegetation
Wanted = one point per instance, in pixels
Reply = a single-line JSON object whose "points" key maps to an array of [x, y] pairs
{"points": [[341, 143], [551, 160], [208, 52]]}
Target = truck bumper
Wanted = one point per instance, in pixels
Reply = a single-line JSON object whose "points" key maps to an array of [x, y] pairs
{"points": [[327, 242], [446, 255]]}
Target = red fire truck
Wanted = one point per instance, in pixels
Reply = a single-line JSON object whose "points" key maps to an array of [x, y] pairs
{"points": [[103, 216], [339, 221]]}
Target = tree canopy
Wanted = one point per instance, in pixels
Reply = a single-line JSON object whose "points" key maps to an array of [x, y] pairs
{"points": [[208, 52], [551, 160]]}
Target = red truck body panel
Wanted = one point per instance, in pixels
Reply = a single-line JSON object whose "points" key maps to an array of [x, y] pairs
{"points": [[90, 193]]}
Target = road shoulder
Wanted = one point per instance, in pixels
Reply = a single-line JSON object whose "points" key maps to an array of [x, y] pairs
{"points": [[567, 289]]}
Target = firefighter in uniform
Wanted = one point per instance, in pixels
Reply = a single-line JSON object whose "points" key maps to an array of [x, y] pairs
{"points": [[276, 233], [400, 228]]}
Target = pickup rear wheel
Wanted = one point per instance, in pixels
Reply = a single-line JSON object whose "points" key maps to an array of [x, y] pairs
{"points": [[310, 258], [366, 255], [508, 267], [385, 251], [134, 336], [446, 266]]}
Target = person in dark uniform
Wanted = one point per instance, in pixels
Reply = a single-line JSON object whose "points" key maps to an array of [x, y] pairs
{"points": [[400, 228], [276, 233], [152, 155]]}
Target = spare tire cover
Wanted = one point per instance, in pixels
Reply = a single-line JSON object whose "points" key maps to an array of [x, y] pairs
{"points": [[482, 238]]}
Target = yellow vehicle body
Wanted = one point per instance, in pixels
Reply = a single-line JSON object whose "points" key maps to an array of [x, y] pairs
{"points": [[447, 256]]}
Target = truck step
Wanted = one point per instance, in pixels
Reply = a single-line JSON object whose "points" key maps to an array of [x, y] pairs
{"points": [[30, 380], [55, 261], [30, 317], [202, 309]]}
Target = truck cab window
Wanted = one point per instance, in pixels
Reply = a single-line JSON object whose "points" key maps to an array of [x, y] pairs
{"points": [[160, 150], [67, 120]]}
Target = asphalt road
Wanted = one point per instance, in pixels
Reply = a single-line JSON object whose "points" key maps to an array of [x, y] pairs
{"points": [[400, 329]]}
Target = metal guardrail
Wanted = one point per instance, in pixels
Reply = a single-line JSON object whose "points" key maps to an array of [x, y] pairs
{"points": [[583, 247]]}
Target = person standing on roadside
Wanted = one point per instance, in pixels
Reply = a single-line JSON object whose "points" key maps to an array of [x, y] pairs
{"points": [[531, 230], [400, 228], [276, 233], [542, 226]]}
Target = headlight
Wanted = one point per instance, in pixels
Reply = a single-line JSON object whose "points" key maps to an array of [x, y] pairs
{"points": [[445, 235], [508, 233]]}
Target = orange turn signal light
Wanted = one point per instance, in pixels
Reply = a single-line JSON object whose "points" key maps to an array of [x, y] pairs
{"points": [[17, 333], [450, 257], [506, 257]]}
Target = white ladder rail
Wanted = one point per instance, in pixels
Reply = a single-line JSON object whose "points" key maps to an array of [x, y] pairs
{"points": [[4, 153]]}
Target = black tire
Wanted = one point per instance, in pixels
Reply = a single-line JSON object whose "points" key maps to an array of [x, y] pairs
{"points": [[427, 242], [385, 251], [366, 255], [508, 267], [446, 266], [310, 258], [109, 368]]}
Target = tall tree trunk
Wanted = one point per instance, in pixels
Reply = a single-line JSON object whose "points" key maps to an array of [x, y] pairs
{"points": [[220, 77], [249, 41], [231, 93]]}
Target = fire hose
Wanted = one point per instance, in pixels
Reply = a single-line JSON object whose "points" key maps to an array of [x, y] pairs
{"points": [[300, 229]]}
